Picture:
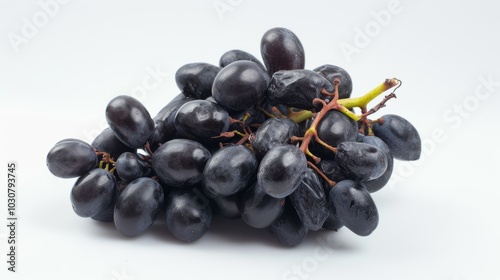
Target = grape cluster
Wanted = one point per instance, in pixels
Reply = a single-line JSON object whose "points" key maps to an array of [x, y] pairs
{"points": [[281, 147]]}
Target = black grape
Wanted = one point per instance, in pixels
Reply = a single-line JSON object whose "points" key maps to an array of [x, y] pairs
{"points": [[107, 142], [332, 170], [281, 50], [230, 170], [378, 183], [400, 135], [334, 128], [288, 228], [188, 214], [240, 85], [297, 88], [93, 192], [201, 120], [236, 55], [164, 121], [309, 200], [180, 162], [361, 161], [273, 132], [331, 72], [106, 214], [71, 159], [225, 206], [196, 79], [129, 167], [332, 222], [281, 170], [354, 207], [129, 120], [258, 209], [138, 206]]}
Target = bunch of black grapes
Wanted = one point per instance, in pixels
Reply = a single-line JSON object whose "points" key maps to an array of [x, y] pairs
{"points": [[279, 146]]}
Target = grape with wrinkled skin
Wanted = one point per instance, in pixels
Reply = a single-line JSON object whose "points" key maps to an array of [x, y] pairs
{"points": [[240, 85], [354, 207], [281, 50], [93, 192], [258, 209], [360, 161], [281, 170], [180, 162], [188, 214], [196, 79], [297, 88], [138, 206], [70, 159], [309, 201], [332, 72], [129, 120], [273, 132], [378, 183], [400, 135], [288, 228], [230, 170]]}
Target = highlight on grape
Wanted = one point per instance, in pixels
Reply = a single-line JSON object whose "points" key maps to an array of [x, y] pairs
{"points": [[288, 150]]}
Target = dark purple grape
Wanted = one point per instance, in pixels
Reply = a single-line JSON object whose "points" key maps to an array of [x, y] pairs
{"points": [[107, 142], [106, 214], [236, 55], [332, 170], [258, 209], [378, 183], [281, 50], [93, 192], [334, 128], [225, 206], [196, 79], [332, 72], [240, 85], [164, 121], [188, 214], [71, 158], [180, 162], [138, 206], [273, 132], [288, 228], [129, 120], [297, 88], [281, 170], [332, 222], [400, 135], [354, 207], [201, 120], [129, 167], [309, 200], [230, 170], [360, 161]]}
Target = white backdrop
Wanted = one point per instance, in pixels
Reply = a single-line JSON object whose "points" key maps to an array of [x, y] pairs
{"points": [[62, 61]]}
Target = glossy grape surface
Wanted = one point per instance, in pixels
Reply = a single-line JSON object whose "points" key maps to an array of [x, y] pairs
{"points": [[354, 207], [188, 214], [129, 120], [332, 72], [196, 79], [71, 159], [230, 170], [281, 49], [236, 55], [273, 132], [93, 192], [258, 209], [180, 162], [107, 142], [240, 85], [129, 167], [378, 183], [281, 170], [138, 206], [361, 161]]}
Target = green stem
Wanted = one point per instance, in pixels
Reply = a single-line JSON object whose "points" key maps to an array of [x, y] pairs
{"points": [[363, 101]]}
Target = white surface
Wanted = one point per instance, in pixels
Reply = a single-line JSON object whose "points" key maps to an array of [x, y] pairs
{"points": [[438, 222]]}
